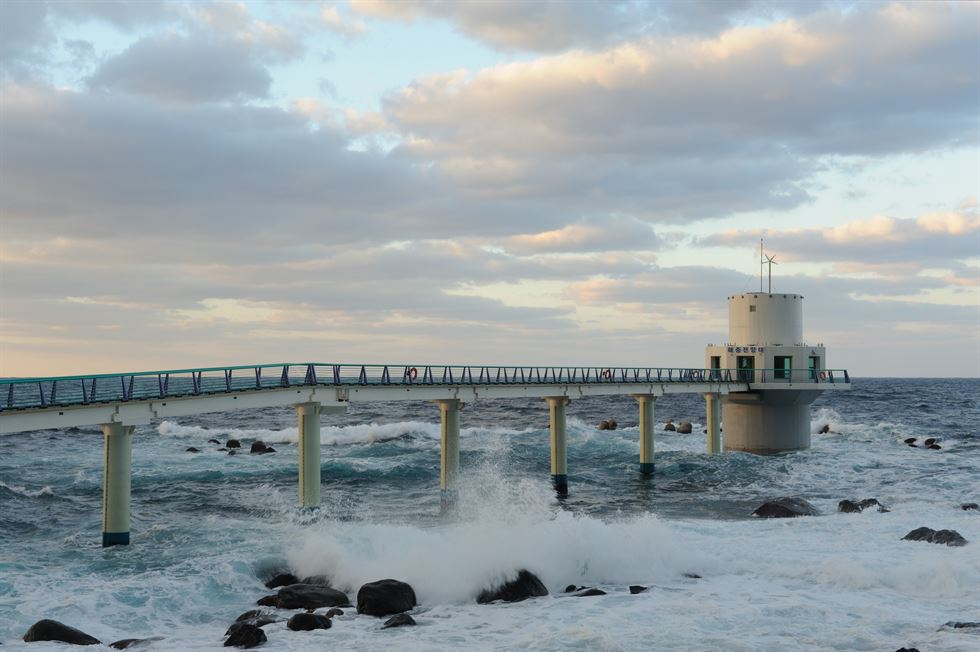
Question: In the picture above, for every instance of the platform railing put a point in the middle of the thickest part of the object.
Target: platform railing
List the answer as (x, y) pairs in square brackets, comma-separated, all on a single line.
[(33, 393)]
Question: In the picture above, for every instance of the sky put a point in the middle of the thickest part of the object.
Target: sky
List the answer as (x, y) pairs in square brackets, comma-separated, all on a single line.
[(422, 181)]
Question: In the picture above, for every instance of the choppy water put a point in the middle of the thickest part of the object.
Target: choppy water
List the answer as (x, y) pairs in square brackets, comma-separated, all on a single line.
[(206, 526)]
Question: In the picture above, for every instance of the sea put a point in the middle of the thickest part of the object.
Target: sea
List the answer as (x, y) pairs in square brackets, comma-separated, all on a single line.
[(209, 528)]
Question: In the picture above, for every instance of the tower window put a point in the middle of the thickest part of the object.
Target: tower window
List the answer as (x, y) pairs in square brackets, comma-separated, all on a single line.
[(751, 308)]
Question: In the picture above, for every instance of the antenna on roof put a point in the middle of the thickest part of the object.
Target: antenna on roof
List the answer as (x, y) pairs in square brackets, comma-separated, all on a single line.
[(763, 261), (770, 260)]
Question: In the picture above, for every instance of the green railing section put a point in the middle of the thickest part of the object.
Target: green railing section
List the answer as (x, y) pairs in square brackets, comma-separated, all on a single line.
[(57, 391)]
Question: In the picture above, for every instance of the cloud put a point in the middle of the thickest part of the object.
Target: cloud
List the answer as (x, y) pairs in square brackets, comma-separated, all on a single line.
[(693, 127), (340, 24), (612, 234)]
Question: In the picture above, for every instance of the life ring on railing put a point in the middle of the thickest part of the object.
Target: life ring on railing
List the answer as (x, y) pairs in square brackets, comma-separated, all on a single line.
[(607, 374), (413, 373), (823, 375)]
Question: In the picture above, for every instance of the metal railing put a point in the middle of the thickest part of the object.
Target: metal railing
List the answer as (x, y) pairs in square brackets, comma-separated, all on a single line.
[(30, 393)]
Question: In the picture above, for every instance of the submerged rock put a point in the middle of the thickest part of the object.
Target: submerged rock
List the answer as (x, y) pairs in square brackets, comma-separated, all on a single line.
[(824, 430), (282, 579), (214, 441), (127, 643), (233, 443), (785, 508), (685, 428), (310, 596), (636, 588), (570, 588), (52, 630), (851, 506), (191, 449), (692, 576), (308, 622), (334, 612), (669, 426), (948, 537), (934, 447), (929, 442), (952, 624), (525, 585), (968, 506), (398, 620), (259, 448), (246, 636), (911, 440), (588, 592), (385, 597)]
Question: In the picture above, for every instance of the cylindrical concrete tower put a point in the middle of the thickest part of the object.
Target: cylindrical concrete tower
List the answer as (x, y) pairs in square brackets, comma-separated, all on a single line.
[(766, 350)]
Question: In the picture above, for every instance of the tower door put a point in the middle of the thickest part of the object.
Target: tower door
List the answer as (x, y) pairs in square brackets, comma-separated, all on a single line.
[(746, 368)]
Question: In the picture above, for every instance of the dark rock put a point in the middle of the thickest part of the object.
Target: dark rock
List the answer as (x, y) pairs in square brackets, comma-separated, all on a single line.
[(52, 630), (612, 424), (968, 506), (261, 620), (133, 642), (948, 537), (669, 426), (233, 443), (934, 447), (246, 636), (251, 614), (232, 452), (785, 508), (525, 585), (585, 593), (385, 597), (692, 576), (270, 449), (308, 622), (636, 588), (258, 448), (952, 624), (685, 428), (848, 507), (267, 600), (913, 446), (222, 449), (192, 450), (310, 596), (282, 579), (570, 588), (868, 502), (334, 612), (929, 442), (907, 649), (398, 620), (824, 430), (603, 426), (214, 441), (911, 440)]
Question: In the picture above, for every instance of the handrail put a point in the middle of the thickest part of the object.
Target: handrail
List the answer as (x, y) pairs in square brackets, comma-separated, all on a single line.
[(28, 393)]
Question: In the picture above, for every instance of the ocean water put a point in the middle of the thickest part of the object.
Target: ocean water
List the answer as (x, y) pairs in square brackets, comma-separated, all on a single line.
[(207, 529)]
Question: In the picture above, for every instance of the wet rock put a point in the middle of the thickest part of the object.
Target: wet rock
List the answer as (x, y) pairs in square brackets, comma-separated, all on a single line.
[(947, 537), (310, 596), (126, 643), (934, 447), (603, 426), (260, 622), (222, 449), (385, 597), (692, 576), (52, 630), (334, 612), (214, 441), (233, 443), (952, 624), (785, 508), (192, 450), (669, 426), (282, 579), (267, 600), (525, 585), (907, 649), (308, 622), (612, 424), (251, 614), (570, 588), (399, 620), (232, 452), (685, 428), (636, 588), (929, 442), (968, 506), (824, 430), (588, 592), (259, 448), (246, 636), (851, 506), (911, 440)]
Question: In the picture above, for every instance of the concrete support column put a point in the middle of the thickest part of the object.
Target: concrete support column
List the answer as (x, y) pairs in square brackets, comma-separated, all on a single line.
[(713, 410), (449, 458), (116, 484), (309, 454), (646, 402), (559, 448)]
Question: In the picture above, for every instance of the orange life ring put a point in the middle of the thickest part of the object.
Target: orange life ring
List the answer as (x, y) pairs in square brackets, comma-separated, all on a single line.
[(823, 375), (413, 373)]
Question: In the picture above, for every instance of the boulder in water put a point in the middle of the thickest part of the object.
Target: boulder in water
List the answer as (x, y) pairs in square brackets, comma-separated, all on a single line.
[(310, 596), (685, 428), (570, 588), (825, 429), (851, 506), (334, 612), (948, 537), (934, 447), (233, 443), (612, 424), (191, 449), (259, 448), (929, 442), (669, 426), (398, 620), (214, 441), (52, 630), (385, 597), (692, 576), (636, 588), (282, 579), (525, 585), (588, 592), (127, 643), (305, 622), (968, 506), (911, 440), (246, 636), (952, 624), (267, 600), (785, 508), (603, 426)]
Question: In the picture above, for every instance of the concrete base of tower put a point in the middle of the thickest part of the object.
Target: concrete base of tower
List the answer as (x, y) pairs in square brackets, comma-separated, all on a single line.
[(768, 422)]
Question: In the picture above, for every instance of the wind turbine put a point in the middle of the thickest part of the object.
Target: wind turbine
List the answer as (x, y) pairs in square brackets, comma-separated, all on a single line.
[(770, 260)]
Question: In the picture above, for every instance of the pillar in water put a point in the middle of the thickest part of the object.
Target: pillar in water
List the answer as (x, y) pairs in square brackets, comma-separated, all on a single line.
[(646, 402), (116, 484), (559, 451), (449, 452), (309, 454)]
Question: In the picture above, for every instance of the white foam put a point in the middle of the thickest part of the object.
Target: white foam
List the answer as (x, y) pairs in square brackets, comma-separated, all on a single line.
[(28, 493)]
